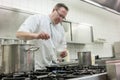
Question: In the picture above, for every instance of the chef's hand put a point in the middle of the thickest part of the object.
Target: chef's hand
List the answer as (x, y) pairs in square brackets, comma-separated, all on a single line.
[(43, 35), (60, 60), (63, 54)]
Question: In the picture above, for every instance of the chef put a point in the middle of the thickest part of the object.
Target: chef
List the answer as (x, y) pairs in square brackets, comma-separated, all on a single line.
[(46, 32)]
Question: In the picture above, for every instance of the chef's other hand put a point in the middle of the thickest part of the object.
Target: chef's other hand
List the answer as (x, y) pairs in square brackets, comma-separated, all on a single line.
[(59, 60), (43, 35), (63, 54)]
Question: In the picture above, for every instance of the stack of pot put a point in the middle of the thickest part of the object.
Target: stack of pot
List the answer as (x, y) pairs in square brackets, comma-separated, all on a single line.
[(17, 58)]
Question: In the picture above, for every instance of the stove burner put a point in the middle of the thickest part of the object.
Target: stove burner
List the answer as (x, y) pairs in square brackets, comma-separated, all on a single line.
[(55, 73)]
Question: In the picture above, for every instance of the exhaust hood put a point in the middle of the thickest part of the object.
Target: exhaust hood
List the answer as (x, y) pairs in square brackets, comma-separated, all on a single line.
[(110, 5)]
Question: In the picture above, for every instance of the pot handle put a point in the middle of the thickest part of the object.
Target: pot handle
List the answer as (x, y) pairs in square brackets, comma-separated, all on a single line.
[(32, 49)]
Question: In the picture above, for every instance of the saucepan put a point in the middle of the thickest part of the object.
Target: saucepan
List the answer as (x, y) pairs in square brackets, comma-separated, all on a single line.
[(17, 58), (84, 58)]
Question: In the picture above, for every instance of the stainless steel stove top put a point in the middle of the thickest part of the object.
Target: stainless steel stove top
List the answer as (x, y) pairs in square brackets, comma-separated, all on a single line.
[(58, 73)]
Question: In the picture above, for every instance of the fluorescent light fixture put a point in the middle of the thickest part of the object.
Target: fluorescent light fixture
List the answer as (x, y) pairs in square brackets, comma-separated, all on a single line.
[(91, 2)]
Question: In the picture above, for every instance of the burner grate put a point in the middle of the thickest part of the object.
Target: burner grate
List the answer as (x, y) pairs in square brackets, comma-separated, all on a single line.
[(56, 73)]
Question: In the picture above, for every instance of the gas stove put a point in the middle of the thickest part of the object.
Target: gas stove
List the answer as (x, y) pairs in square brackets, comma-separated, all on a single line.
[(55, 73)]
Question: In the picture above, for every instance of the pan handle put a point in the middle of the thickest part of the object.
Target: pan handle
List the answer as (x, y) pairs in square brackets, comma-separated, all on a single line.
[(32, 49)]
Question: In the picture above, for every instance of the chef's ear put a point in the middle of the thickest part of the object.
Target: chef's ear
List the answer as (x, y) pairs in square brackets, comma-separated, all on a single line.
[(53, 10)]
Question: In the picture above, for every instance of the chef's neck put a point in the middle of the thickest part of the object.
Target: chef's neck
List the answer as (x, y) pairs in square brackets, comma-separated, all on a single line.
[(52, 19)]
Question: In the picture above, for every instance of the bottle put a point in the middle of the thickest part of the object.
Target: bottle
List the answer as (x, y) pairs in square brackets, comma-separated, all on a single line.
[(93, 59), (67, 58)]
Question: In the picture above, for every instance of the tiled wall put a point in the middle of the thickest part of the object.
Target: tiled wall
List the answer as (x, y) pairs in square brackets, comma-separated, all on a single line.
[(103, 50)]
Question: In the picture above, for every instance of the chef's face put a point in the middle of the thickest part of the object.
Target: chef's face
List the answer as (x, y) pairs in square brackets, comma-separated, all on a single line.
[(59, 15)]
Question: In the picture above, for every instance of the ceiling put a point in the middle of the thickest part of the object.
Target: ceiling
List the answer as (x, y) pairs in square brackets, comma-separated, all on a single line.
[(112, 6), (93, 8)]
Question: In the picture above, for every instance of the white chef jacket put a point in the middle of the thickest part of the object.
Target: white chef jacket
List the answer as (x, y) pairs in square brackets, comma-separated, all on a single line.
[(48, 49)]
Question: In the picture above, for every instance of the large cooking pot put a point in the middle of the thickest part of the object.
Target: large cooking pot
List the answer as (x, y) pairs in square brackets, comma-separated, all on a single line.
[(84, 58), (17, 58)]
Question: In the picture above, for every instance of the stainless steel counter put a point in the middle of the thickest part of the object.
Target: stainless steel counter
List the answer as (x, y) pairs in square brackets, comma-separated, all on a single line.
[(101, 76)]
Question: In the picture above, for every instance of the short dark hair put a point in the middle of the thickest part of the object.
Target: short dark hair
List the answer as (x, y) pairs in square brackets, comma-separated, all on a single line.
[(59, 5)]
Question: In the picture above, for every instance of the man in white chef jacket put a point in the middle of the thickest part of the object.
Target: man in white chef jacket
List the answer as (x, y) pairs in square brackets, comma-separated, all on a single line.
[(46, 32)]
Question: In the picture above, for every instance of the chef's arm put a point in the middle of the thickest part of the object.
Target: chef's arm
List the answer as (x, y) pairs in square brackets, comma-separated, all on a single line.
[(64, 47), (29, 36)]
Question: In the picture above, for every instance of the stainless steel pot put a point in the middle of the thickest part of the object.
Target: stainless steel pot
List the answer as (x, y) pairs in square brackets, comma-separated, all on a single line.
[(84, 58), (17, 58)]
